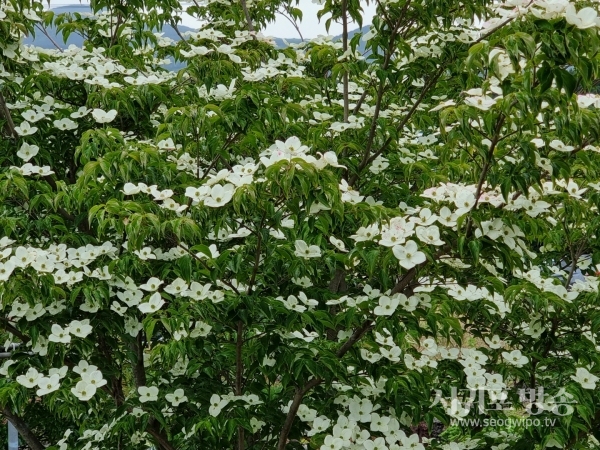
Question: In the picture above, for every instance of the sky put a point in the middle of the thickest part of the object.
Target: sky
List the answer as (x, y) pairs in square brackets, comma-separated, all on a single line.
[(282, 28)]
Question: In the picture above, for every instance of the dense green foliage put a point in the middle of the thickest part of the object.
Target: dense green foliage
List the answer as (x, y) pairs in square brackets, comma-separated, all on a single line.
[(304, 247)]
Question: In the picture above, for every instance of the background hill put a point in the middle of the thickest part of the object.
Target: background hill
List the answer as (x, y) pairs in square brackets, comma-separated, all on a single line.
[(43, 41)]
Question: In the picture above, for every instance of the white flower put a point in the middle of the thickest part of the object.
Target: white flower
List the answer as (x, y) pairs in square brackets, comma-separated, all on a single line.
[(393, 354), (409, 254), (256, 424), (216, 405), (65, 124), (212, 248), (6, 268), (48, 384), (162, 195), (131, 297), (94, 378), (494, 342), (145, 254), (573, 189), (292, 304), (303, 250), (585, 18), (197, 291), (176, 397), (305, 335), (30, 379), (303, 281), (319, 425), (584, 377), (151, 285), (484, 103), (59, 334), (515, 358), (80, 328), (148, 393), (287, 223), (131, 189), (83, 391), (32, 116), (102, 116), (464, 201), (84, 367), (62, 371), (387, 305), (561, 146), (379, 164), (456, 410), (178, 286), (154, 304), (81, 112), (23, 257), (201, 329), (338, 243), (330, 442), (25, 129), (41, 346), (219, 195), (19, 309), (429, 235), (26, 152), (118, 308), (366, 233)]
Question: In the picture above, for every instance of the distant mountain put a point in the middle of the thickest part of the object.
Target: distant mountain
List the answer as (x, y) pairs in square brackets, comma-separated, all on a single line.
[(41, 40), (361, 47)]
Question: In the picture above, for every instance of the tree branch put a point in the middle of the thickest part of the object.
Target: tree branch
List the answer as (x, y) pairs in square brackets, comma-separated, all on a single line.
[(345, 49), (9, 126), (486, 167), (296, 402), (32, 441), (238, 377), (292, 21), (356, 336), (248, 18), (14, 331), (158, 435), (139, 371), (45, 32)]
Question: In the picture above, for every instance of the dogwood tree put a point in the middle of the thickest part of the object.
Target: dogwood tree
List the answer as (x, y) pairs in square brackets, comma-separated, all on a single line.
[(310, 247)]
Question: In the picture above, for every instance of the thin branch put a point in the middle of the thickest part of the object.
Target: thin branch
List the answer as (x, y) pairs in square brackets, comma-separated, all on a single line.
[(345, 49), (404, 281), (296, 402), (486, 167), (14, 331), (114, 34), (430, 84), (256, 254), (363, 97), (358, 333), (31, 439), (176, 28), (238, 376), (9, 127), (45, 31), (292, 21), (248, 18), (158, 435)]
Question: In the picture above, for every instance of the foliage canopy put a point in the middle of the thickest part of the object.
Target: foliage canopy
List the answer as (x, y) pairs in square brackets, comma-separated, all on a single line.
[(304, 247)]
